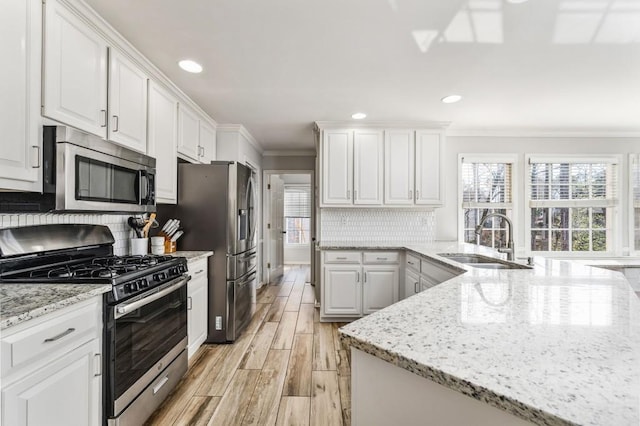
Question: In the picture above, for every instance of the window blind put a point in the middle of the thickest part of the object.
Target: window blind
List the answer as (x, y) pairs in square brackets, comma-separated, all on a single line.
[(592, 183), (634, 165), (297, 201), (487, 183)]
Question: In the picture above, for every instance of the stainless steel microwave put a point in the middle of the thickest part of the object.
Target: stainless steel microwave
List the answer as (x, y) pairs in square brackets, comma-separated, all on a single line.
[(87, 173)]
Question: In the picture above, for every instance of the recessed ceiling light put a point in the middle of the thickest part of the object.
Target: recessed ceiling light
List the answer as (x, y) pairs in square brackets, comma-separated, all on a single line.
[(190, 66), (451, 99), (358, 115)]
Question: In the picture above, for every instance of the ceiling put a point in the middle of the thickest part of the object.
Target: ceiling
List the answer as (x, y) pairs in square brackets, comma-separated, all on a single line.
[(277, 66)]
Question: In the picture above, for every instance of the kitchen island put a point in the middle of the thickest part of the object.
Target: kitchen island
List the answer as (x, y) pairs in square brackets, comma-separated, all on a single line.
[(556, 344)]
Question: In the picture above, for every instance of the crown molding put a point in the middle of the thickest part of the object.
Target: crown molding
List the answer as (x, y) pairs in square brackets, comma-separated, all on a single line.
[(320, 125), (290, 153)]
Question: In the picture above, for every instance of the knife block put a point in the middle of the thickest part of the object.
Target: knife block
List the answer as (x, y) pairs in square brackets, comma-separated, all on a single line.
[(169, 246)]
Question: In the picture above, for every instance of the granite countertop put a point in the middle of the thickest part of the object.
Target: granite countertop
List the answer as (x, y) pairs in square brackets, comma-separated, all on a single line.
[(556, 344), (22, 302), (192, 255)]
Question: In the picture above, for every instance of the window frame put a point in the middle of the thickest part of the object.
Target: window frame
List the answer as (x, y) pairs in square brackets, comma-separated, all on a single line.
[(615, 229), (634, 161), (510, 158), (297, 187)]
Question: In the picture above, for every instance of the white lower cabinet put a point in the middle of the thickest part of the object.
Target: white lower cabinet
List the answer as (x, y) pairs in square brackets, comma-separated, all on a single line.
[(421, 273), (197, 305), (52, 368), (411, 283), (358, 283)]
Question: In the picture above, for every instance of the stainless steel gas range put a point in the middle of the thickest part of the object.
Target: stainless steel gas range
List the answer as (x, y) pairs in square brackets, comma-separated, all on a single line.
[(145, 314)]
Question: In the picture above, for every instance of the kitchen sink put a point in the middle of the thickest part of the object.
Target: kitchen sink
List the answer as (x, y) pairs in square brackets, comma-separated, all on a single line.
[(482, 262)]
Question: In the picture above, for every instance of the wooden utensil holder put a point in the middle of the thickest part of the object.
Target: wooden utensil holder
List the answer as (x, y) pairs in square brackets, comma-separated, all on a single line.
[(169, 246)]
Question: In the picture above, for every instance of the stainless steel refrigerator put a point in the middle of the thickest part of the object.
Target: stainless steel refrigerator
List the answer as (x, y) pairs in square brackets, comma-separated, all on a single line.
[(217, 207)]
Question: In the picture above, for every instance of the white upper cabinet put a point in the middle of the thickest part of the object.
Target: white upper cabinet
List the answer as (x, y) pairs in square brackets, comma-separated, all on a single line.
[(162, 141), (127, 103), (367, 167), (188, 133), (207, 142), (20, 156), (429, 188), (337, 167), (399, 157), (75, 71), (391, 167)]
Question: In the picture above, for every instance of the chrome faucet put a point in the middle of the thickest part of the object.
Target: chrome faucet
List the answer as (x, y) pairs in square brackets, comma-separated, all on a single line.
[(509, 248)]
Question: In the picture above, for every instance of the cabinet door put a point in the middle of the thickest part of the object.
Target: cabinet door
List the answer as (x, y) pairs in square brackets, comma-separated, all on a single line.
[(163, 141), (427, 282), (64, 392), (21, 24), (127, 103), (75, 71), (399, 167), (380, 287), (368, 146), (197, 313), (188, 133), (411, 283), (428, 158), (342, 294), (207, 142), (337, 167)]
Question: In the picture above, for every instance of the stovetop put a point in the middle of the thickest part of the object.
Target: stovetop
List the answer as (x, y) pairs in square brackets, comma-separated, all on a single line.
[(129, 275)]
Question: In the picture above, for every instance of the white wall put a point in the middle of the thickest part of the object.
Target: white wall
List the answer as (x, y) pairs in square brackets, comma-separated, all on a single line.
[(447, 216)]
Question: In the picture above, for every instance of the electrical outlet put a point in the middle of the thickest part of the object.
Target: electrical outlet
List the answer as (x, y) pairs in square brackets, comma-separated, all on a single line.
[(218, 323)]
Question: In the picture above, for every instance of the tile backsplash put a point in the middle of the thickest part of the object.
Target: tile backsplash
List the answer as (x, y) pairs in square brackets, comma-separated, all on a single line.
[(117, 223), (379, 225)]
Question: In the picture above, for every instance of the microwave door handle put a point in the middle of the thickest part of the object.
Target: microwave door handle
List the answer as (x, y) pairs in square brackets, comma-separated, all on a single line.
[(145, 183)]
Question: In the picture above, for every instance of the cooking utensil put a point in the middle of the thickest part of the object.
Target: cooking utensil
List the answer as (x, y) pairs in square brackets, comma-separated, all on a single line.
[(145, 230), (133, 223), (177, 235)]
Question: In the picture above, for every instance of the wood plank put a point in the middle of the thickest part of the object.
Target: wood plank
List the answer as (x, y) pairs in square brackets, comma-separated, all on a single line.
[(316, 315), (301, 276), (276, 309), (293, 304), (263, 408), (234, 403), (286, 328), (269, 294), (257, 352), (294, 411), (298, 380), (324, 357), (257, 319), (342, 363), (325, 399), (198, 411), (305, 319), (220, 373), (308, 294), (175, 404), (344, 385), (285, 289)]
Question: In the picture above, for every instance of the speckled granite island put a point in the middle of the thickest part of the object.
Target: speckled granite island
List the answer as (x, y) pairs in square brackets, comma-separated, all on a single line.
[(555, 345)]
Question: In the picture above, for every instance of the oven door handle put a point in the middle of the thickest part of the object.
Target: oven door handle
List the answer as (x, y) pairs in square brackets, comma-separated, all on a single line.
[(125, 308)]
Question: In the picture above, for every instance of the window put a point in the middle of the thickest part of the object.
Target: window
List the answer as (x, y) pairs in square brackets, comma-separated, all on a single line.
[(487, 187), (634, 184), (297, 213), (572, 204)]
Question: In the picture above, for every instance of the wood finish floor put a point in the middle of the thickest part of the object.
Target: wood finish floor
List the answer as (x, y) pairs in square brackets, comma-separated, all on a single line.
[(287, 368)]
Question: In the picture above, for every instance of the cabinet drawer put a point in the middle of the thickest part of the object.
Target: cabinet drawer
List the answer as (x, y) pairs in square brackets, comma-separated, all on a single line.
[(342, 257), (65, 331), (197, 268), (412, 262), (380, 257)]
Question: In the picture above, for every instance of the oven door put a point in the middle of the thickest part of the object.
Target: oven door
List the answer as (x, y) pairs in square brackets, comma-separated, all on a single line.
[(143, 335), (91, 180)]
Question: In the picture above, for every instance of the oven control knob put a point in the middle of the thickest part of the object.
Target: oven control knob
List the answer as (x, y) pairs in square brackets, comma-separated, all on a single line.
[(127, 288), (134, 286), (144, 283), (156, 277)]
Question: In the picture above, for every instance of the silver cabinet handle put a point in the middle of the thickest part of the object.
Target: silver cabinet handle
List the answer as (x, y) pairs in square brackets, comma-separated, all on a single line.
[(410, 263), (341, 258), (104, 118), (199, 272), (415, 287), (358, 277), (115, 123), (381, 258), (37, 155), (60, 336), (189, 303), (97, 363)]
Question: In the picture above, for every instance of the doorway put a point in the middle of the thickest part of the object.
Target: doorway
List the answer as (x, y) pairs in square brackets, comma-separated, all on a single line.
[(289, 226)]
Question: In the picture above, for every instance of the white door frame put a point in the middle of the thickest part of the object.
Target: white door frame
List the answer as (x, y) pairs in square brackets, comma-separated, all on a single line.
[(266, 174)]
